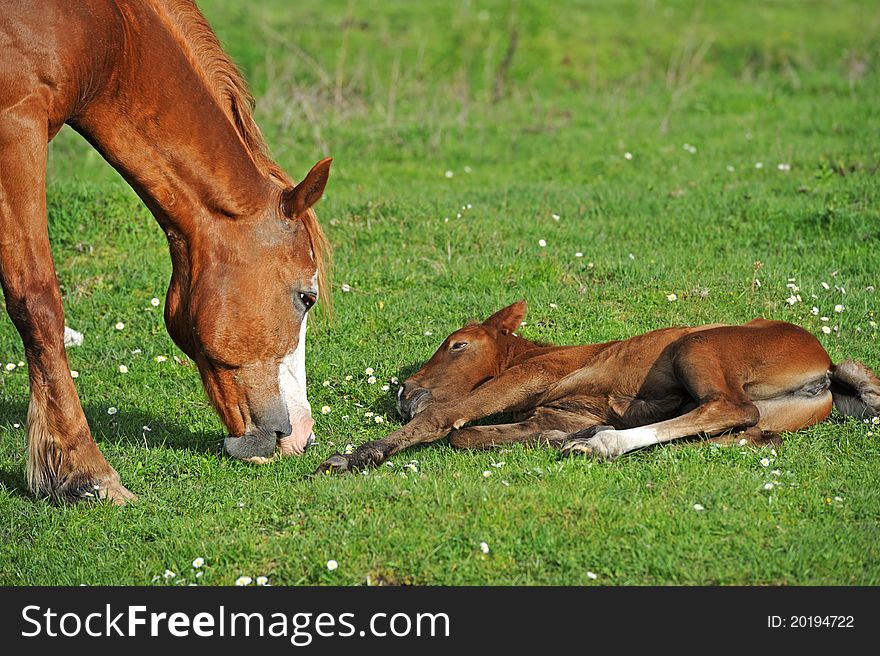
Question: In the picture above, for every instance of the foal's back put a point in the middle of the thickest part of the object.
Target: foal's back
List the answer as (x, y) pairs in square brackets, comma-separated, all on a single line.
[(660, 374)]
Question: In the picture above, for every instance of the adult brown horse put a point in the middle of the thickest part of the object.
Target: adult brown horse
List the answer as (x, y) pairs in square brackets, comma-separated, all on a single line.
[(603, 400), (148, 85)]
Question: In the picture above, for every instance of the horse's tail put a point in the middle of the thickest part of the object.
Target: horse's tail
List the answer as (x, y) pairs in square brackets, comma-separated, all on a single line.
[(856, 389)]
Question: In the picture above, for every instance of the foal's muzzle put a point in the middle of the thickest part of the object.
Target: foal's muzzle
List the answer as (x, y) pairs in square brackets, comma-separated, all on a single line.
[(411, 402)]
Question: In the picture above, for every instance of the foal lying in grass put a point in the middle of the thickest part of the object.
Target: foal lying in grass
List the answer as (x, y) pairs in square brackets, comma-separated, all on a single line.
[(728, 382)]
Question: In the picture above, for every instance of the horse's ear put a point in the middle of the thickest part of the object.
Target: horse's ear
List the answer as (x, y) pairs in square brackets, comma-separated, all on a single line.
[(508, 319), (308, 192)]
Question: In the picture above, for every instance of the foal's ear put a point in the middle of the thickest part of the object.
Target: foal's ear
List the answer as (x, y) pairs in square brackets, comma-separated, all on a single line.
[(508, 319), (308, 192)]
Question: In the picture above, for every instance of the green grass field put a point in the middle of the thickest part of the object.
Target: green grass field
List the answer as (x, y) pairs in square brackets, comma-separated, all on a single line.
[(720, 152)]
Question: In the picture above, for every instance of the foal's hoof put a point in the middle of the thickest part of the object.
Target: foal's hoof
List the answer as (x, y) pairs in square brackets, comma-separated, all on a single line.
[(335, 464), (603, 445)]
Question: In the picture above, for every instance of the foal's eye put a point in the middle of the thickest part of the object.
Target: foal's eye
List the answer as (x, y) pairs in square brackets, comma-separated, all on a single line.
[(458, 346), (308, 299)]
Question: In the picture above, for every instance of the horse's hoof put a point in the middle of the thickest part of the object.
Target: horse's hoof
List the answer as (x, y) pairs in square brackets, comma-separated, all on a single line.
[(108, 490), (116, 493), (335, 464)]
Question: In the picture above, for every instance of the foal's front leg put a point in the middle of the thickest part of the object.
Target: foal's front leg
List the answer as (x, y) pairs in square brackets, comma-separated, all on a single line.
[(546, 426), (64, 462), (516, 388)]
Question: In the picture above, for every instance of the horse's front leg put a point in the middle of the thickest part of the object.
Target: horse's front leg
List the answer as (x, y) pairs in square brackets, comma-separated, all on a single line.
[(63, 461)]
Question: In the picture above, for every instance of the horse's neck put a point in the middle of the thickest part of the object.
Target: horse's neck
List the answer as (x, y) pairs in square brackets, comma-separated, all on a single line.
[(157, 123)]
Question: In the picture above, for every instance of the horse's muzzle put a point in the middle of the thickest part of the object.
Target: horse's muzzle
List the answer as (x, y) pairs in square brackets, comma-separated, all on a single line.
[(409, 405), (259, 444)]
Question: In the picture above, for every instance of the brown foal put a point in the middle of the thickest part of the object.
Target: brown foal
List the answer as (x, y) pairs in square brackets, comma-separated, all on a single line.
[(751, 382), (147, 84)]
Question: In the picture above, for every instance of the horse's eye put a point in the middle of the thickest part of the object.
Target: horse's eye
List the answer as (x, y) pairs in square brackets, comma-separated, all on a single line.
[(458, 346), (308, 299)]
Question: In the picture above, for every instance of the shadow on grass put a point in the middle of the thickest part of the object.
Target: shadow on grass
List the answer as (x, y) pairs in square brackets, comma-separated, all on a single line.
[(125, 428), (130, 427), (387, 404), (14, 483)]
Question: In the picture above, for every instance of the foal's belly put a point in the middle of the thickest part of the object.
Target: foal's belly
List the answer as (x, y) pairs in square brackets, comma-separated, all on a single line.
[(629, 412)]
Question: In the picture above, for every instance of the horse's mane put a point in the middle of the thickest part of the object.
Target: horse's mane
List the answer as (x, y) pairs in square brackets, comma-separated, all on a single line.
[(226, 84)]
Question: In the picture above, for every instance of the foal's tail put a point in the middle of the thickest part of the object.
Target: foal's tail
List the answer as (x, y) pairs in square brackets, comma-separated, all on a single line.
[(856, 389)]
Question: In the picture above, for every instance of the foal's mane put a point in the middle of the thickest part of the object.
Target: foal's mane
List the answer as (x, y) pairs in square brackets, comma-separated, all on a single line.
[(226, 84)]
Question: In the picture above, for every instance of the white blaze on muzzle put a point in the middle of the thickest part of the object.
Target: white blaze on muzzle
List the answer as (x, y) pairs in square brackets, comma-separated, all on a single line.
[(292, 385)]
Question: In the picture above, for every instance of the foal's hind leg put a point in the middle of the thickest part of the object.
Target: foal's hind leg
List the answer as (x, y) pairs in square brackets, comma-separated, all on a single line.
[(63, 460), (722, 406)]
